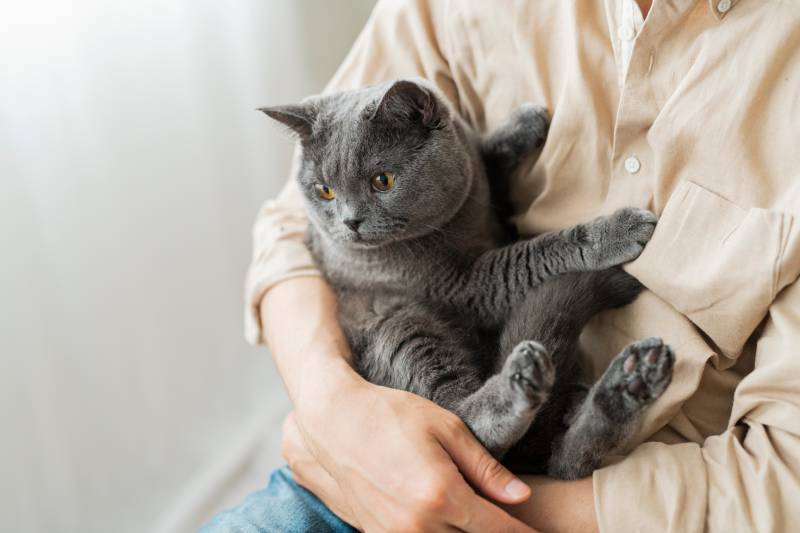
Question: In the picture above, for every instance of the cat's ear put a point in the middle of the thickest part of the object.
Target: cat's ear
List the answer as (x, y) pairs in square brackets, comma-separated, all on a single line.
[(412, 102), (298, 117)]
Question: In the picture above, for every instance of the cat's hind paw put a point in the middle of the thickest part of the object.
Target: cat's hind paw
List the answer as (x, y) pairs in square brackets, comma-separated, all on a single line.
[(638, 376), (530, 374)]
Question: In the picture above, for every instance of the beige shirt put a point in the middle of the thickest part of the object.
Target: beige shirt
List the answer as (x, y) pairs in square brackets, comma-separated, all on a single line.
[(693, 113)]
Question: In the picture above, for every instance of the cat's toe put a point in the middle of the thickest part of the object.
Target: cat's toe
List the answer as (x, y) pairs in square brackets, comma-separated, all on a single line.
[(635, 379), (618, 238), (531, 372), (635, 224), (531, 122), (646, 370)]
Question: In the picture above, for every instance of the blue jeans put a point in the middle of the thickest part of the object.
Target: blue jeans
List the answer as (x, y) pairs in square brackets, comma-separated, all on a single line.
[(282, 507)]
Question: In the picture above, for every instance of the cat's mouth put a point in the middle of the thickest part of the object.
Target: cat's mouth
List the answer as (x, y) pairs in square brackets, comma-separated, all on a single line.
[(361, 240), (364, 240), (376, 239)]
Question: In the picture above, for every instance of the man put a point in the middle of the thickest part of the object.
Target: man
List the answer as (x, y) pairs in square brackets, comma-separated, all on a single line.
[(686, 107)]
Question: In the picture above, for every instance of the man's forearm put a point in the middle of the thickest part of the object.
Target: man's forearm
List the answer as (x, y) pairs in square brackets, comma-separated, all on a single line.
[(302, 331), (558, 506)]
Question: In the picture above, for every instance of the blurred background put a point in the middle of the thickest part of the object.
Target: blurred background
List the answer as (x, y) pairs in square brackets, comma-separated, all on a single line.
[(132, 164)]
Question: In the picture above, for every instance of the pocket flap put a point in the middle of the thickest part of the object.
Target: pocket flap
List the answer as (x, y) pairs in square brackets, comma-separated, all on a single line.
[(716, 262)]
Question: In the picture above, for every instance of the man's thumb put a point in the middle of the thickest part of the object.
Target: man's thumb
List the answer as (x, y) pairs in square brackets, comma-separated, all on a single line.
[(483, 471)]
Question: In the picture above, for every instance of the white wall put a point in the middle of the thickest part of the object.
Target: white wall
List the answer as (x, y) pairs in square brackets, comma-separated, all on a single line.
[(132, 163)]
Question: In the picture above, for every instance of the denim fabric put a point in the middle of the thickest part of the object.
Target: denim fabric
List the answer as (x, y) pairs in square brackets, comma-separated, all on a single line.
[(282, 507)]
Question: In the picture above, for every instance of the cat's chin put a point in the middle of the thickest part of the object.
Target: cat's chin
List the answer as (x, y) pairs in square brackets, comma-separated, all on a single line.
[(378, 241), (364, 242), (354, 240)]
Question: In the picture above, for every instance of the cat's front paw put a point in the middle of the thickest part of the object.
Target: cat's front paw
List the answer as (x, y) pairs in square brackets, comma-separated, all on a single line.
[(529, 124), (618, 238)]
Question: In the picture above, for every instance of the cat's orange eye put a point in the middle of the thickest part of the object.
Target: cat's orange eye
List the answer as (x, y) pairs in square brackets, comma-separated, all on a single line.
[(383, 181), (325, 192)]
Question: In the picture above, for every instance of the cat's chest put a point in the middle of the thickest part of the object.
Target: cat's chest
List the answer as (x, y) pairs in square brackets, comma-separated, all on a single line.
[(409, 267), (392, 269)]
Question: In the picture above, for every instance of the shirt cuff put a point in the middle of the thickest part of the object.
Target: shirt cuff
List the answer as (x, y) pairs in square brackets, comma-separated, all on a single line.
[(290, 260), (279, 253)]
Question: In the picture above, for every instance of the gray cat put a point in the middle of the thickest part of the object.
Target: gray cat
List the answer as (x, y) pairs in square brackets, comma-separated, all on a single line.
[(436, 299)]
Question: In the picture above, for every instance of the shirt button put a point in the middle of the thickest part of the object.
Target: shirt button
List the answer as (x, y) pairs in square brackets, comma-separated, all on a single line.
[(626, 33), (632, 165), (724, 6)]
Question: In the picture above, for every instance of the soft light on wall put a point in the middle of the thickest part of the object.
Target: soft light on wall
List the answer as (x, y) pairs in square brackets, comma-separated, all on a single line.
[(132, 163)]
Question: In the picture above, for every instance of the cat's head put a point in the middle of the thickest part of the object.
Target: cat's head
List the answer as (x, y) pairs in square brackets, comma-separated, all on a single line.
[(380, 164)]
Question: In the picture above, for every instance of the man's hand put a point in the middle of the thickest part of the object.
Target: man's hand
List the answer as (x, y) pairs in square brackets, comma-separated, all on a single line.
[(310, 474), (388, 460), (392, 461)]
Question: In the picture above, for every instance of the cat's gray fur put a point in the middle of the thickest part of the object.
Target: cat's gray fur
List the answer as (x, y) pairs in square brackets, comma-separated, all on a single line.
[(436, 300)]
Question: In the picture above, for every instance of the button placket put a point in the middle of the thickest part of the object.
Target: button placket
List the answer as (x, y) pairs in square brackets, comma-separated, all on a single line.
[(630, 182), (627, 33)]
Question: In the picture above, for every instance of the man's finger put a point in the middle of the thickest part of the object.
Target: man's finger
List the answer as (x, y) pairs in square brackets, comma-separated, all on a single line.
[(309, 474), (481, 469), (291, 440)]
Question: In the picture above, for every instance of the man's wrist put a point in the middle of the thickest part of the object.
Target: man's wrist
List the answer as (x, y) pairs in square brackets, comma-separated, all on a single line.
[(326, 379)]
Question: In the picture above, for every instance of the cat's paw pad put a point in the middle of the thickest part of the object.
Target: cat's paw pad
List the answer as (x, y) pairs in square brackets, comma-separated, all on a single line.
[(621, 236), (645, 370), (530, 372)]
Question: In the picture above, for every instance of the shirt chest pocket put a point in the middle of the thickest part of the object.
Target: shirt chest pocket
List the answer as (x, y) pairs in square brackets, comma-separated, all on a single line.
[(719, 264)]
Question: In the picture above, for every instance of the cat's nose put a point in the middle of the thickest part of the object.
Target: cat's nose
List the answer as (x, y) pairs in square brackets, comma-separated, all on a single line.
[(353, 223)]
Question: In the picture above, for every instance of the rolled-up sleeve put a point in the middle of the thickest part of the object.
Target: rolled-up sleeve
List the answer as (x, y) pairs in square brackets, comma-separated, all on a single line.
[(747, 478), (278, 252), (401, 39)]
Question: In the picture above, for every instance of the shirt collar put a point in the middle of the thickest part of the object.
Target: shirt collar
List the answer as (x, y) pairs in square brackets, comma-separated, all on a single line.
[(720, 8)]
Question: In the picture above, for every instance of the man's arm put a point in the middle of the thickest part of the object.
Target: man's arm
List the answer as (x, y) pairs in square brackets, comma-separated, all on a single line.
[(303, 334), (399, 460), (745, 479)]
